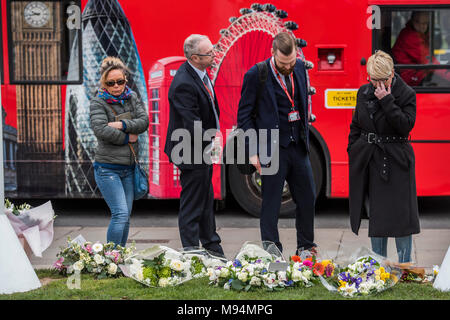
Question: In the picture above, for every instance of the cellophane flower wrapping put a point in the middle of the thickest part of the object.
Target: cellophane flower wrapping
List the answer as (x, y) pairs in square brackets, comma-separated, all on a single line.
[(161, 266), (362, 273), (101, 260), (200, 259), (261, 265), (33, 225)]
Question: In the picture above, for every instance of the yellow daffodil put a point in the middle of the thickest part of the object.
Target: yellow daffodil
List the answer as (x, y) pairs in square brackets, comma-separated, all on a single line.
[(382, 270), (342, 284)]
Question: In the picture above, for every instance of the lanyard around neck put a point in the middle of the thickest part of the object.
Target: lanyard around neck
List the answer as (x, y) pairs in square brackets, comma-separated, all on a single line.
[(291, 99)]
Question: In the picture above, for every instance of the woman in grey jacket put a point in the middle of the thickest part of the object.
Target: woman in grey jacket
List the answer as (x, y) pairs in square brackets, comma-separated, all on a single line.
[(117, 117)]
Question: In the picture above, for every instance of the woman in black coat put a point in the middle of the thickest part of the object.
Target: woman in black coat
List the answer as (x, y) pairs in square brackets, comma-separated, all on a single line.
[(381, 159)]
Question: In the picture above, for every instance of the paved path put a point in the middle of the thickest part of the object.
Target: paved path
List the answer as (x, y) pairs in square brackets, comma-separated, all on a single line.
[(429, 247)]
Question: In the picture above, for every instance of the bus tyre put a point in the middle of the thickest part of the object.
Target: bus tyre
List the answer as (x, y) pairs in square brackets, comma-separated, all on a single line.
[(246, 189)]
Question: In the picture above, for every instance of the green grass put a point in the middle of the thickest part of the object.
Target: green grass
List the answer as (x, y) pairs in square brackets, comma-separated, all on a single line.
[(125, 288)]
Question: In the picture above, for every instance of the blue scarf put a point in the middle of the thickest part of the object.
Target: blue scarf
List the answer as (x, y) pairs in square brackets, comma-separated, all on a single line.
[(109, 98)]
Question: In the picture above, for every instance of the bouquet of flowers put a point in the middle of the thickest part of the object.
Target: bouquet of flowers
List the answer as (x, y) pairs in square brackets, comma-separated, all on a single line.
[(99, 259), (368, 274), (199, 260), (16, 210), (309, 270), (160, 266), (259, 265), (33, 226)]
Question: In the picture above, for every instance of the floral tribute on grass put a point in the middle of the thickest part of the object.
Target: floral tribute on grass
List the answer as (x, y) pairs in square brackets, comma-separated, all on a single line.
[(263, 266), (99, 259), (368, 274), (160, 266)]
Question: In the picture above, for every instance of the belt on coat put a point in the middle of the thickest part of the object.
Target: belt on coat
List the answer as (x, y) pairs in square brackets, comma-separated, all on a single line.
[(371, 137), (380, 140)]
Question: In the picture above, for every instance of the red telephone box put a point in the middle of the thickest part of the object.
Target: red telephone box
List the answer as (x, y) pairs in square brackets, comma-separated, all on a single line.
[(164, 176)]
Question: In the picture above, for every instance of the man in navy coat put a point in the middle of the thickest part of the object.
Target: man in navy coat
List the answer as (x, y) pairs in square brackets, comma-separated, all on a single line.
[(194, 111), (282, 104)]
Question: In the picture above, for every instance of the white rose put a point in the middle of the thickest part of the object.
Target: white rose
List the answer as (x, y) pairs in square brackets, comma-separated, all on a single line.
[(296, 275), (97, 247), (112, 268), (307, 274), (78, 266), (99, 259), (282, 276), (212, 274), (163, 282), (243, 276), (224, 273), (255, 281), (176, 265)]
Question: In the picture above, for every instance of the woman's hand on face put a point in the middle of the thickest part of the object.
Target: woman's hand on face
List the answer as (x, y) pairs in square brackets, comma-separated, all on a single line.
[(116, 125), (132, 137), (380, 91)]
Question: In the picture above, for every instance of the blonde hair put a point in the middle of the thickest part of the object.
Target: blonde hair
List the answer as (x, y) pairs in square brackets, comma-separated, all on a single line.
[(111, 63), (380, 65)]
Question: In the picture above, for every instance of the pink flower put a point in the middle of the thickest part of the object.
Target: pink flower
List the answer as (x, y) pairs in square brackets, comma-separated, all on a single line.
[(88, 248), (59, 264), (115, 255), (307, 263)]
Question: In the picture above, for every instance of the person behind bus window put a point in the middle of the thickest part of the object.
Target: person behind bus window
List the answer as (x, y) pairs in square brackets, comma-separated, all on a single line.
[(412, 47), (381, 159), (116, 137)]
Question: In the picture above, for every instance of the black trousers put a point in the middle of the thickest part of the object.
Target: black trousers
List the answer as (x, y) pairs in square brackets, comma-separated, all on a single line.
[(295, 169), (196, 219)]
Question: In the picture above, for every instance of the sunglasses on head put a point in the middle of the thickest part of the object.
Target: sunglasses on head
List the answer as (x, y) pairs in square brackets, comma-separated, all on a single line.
[(112, 83)]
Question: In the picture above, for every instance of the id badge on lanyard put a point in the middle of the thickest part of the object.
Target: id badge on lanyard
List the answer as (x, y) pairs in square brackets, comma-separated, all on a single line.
[(294, 115)]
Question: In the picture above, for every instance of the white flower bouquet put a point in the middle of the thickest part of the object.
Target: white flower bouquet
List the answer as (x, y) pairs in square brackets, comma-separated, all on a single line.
[(161, 266), (33, 226), (99, 259), (257, 265)]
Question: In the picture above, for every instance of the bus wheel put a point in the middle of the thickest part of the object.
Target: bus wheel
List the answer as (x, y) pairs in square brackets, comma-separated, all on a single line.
[(246, 189)]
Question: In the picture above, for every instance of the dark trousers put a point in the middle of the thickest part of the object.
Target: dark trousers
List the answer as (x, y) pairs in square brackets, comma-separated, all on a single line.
[(295, 168), (196, 219)]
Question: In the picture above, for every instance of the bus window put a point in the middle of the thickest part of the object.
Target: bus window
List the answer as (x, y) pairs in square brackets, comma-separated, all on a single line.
[(419, 41), (45, 42)]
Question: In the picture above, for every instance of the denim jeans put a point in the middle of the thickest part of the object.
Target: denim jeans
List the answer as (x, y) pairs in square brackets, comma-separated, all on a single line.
[(403, 244), (117, 188)]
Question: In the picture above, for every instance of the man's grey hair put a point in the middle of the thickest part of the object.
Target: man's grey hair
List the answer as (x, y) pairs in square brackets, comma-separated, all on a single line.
[(191, 44)]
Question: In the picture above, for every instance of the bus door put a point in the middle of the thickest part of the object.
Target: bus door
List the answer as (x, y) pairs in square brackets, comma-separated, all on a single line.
[(418, 39)]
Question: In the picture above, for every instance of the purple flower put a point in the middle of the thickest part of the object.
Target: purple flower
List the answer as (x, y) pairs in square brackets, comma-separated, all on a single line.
[(329, 270), (237, 264), (372, 262), (258, 261), (344, 277), (357, 282)]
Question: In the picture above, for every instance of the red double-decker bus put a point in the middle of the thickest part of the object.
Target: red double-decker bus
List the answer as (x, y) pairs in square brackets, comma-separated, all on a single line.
[(51, 53)]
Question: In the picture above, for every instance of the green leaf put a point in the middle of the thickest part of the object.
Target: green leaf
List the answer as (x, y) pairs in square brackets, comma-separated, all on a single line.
[(237, 284)]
